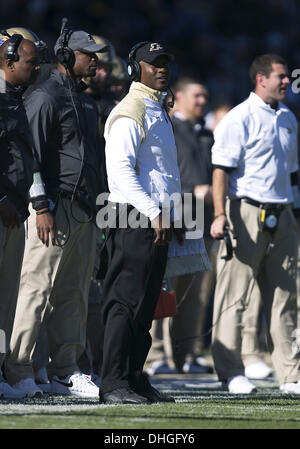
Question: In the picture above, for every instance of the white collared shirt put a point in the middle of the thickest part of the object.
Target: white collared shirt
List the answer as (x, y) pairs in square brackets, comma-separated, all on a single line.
[(261, 144), (141, 168)]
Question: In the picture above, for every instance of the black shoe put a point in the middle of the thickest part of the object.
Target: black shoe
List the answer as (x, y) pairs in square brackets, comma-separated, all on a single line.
[(143, 387), (122, 396)]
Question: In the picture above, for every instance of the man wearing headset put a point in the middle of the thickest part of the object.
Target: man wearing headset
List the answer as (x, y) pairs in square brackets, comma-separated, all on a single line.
[(141, 159), (31, 36), (46, 64), (55, 278), (19, 65)]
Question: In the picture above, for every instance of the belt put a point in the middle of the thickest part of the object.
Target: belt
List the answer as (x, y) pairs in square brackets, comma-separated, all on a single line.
[(66, 194), (279, 206), (82, 201)]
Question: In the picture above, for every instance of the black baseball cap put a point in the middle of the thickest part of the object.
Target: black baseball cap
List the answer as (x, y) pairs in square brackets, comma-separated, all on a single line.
[(150, 51), (82, 41)]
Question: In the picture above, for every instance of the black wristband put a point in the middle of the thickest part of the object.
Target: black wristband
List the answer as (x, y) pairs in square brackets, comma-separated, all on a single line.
[(39, 203)]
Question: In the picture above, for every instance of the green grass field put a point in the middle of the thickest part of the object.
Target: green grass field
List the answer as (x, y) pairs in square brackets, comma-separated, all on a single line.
[(200, 404)]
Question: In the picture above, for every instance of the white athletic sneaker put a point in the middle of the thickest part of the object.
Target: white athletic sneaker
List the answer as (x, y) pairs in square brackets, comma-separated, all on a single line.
[(8, 392), (290, 388), (239, 385), (258, 370), (29, 388), (77, 384)]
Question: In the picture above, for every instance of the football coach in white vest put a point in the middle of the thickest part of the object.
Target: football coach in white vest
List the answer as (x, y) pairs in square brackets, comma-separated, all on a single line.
[(141, 160)]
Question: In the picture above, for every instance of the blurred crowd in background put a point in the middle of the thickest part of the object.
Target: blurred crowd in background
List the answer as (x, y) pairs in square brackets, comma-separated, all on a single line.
[(212, 40)]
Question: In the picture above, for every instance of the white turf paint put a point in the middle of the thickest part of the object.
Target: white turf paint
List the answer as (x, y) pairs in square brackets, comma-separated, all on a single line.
[(27, 408)]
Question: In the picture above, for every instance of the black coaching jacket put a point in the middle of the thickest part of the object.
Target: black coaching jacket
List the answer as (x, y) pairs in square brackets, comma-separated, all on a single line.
[(64, 124), (16, 149)]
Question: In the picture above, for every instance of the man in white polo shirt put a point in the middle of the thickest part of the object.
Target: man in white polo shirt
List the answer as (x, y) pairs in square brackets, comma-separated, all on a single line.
[(255, 164)]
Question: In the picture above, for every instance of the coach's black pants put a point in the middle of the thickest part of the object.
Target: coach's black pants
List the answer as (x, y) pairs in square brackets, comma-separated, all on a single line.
[(132, 285)]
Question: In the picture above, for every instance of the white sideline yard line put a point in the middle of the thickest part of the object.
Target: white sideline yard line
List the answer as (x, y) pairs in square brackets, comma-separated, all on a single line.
[(33, 409), (214, 385)]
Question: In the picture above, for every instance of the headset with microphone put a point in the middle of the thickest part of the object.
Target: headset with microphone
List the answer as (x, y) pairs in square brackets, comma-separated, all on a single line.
[(65, 54), (134, 68), (12, 49), (172, 101)]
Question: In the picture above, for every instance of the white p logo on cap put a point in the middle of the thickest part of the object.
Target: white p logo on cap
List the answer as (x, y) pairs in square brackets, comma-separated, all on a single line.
[(155, 46)]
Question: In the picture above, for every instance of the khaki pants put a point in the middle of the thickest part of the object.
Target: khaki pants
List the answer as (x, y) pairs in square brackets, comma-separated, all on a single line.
[(251, 348), (54, 279), (11, 256), (161, 347), (274, 269)]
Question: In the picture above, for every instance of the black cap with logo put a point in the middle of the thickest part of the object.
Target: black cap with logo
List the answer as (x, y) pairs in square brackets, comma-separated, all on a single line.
[(150, 51)]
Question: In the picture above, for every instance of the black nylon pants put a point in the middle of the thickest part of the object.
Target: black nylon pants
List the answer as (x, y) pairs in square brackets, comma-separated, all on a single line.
[(131, 289)]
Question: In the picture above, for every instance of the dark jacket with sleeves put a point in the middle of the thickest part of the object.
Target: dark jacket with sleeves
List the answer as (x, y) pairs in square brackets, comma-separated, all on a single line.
[(194, 153), (16, 149), (194, 143), (64, 125)]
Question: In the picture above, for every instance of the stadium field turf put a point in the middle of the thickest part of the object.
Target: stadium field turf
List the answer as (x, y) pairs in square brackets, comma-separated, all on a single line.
[(200, 404)]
